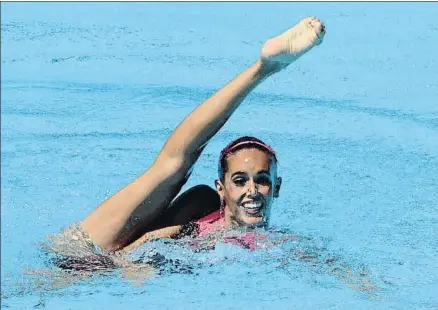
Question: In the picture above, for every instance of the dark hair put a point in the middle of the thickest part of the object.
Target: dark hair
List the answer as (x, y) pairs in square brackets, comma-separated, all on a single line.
[(245, 142)]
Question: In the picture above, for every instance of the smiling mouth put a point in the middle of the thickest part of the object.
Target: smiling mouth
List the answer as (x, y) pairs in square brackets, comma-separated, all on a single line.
[(252, 208)]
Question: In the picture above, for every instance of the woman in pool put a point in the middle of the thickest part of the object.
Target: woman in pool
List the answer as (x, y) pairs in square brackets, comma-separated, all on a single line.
[(146, 208)]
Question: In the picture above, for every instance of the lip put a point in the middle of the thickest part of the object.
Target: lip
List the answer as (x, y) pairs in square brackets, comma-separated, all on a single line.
[(252, 211)]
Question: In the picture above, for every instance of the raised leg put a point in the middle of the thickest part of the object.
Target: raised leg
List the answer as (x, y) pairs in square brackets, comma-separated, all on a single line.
[(119, 220)]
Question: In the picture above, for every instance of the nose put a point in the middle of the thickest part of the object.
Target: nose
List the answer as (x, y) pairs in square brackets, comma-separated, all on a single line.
[(252, 188)]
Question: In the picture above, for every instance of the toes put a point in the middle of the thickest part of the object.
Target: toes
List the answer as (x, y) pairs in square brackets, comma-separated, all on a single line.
[(308, 20), (316, 24)]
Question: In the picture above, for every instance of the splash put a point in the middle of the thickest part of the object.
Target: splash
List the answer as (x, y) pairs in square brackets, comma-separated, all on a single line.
[(71, 258)]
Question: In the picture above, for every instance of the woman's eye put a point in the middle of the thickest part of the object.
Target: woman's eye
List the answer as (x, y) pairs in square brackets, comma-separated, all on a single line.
[(264, 180), (239, 182)]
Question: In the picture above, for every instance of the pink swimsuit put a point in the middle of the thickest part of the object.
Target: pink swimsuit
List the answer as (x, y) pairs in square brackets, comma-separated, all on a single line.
[(209, 223), (214, 221)]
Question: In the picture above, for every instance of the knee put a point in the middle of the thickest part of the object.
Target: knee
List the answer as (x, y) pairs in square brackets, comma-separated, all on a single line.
[(203, 194), (195, 203)]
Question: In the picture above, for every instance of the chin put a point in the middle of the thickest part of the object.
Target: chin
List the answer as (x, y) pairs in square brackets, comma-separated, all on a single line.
[(253, 221)]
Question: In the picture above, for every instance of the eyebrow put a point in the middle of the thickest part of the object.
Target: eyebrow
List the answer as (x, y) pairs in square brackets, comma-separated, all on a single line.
[(258, 172)]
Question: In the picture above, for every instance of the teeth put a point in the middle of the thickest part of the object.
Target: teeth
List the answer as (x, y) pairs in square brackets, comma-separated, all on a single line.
[(253, 205)]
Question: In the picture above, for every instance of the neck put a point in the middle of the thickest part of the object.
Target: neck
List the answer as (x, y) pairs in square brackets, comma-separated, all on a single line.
[(230, 219)]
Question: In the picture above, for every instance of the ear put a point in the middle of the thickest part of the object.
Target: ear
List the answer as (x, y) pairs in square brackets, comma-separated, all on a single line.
[(277, 187), (220, 188)]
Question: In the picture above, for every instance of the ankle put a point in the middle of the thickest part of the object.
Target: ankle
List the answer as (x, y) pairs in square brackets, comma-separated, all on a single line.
[(269, 67)]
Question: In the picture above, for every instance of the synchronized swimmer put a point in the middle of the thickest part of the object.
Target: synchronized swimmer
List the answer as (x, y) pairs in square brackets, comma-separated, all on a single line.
[(247, 184)]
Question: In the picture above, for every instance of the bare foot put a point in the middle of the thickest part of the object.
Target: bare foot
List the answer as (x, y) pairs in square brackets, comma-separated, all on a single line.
[(287, 47)]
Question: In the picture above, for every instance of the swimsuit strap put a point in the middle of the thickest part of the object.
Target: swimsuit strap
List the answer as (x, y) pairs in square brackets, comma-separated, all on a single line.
[(208, 223)]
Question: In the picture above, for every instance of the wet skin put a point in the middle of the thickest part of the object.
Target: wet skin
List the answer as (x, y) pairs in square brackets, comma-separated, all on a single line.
[(249, 187)]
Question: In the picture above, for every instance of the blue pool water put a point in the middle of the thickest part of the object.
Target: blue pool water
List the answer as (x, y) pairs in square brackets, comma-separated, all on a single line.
[(90, 91)]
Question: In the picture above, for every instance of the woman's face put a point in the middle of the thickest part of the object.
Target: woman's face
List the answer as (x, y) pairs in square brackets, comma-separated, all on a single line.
[(249, 187)]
